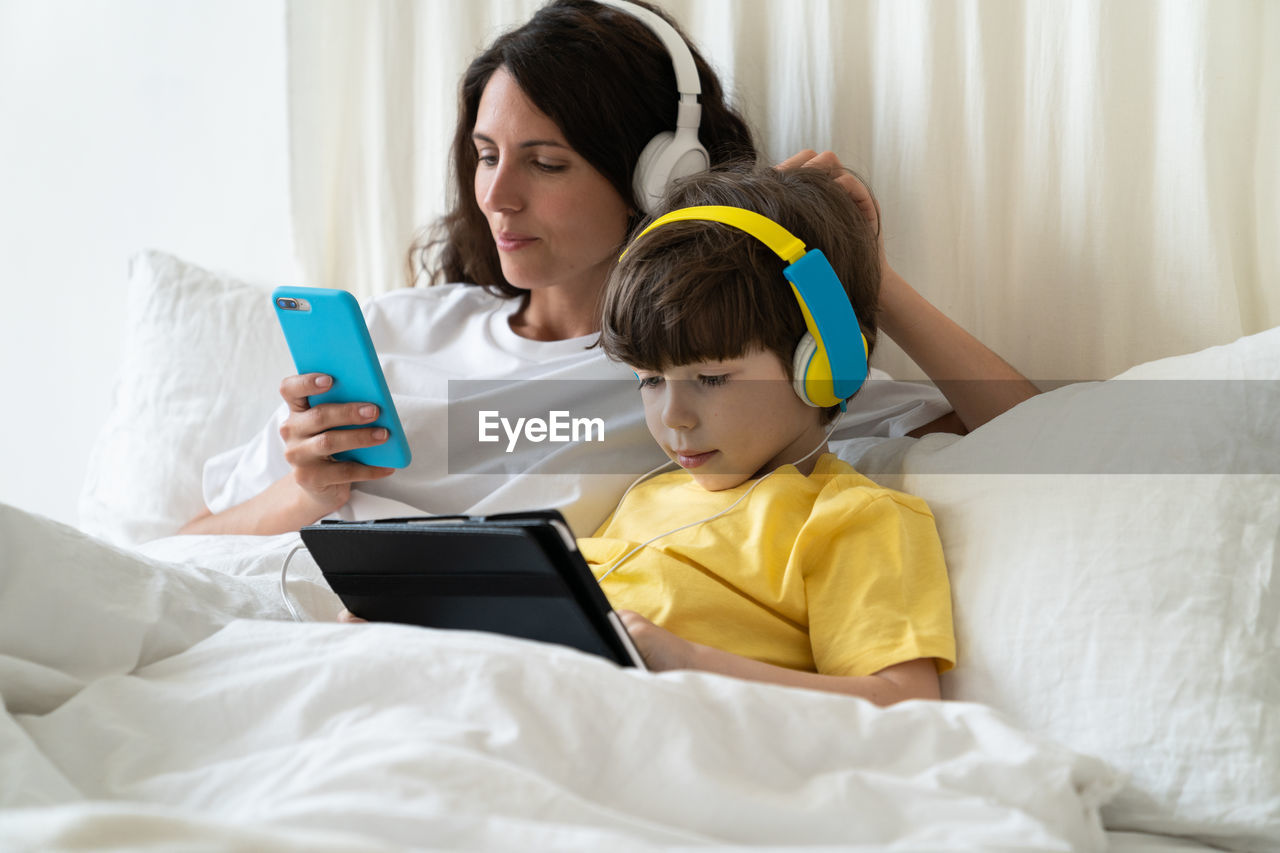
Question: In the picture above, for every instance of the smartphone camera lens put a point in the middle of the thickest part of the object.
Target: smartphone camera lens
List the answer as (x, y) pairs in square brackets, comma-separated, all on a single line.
[(288, 304)]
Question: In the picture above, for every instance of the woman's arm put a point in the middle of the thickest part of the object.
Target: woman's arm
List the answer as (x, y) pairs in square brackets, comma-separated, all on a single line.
[(663, 650), (281, 507), (317, 485), (977, 382)]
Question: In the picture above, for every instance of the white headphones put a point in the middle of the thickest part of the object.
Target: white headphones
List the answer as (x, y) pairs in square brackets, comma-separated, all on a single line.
[(669, 155)]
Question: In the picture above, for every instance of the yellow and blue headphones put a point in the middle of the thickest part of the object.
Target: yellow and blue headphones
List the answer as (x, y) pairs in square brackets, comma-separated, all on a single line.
[(828, 366)]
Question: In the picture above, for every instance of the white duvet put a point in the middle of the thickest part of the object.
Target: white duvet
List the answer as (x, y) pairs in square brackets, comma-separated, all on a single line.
[(156, 705)]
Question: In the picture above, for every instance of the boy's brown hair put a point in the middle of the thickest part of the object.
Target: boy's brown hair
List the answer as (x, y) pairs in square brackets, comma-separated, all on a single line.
[(704, 291)]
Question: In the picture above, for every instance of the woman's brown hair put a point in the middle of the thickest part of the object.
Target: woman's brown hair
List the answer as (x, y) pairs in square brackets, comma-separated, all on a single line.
[(700, 291), (607, 82)]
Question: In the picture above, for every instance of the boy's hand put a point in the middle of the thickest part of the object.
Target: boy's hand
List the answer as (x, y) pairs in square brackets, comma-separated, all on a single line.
[(661, 649)]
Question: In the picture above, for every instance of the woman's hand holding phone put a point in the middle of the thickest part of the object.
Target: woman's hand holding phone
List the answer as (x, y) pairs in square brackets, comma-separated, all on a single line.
[(317, 484), (342, 426), (327, 445), (311, 438)]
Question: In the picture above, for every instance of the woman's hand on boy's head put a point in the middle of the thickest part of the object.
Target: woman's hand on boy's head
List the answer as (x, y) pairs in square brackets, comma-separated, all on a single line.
[(828, 162), (661, 649)]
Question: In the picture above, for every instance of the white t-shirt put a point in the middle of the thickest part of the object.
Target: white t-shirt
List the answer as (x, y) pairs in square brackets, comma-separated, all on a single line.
[(457, 370)]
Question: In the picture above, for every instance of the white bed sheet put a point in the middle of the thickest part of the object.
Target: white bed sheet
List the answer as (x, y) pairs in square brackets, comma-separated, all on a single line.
[(176, 710), (1142, 842)]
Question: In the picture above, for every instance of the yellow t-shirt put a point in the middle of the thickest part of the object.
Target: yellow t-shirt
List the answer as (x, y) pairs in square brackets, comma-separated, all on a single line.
[(826, 573)]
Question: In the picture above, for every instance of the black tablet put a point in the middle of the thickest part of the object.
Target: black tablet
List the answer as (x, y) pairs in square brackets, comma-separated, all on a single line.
[(518, 574)]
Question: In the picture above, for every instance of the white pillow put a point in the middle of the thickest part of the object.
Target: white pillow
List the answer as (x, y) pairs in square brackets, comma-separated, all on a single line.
[(1134, 616), (202, 362)]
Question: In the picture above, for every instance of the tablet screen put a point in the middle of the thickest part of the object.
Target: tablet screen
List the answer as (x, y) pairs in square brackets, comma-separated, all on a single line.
[(519, 575)]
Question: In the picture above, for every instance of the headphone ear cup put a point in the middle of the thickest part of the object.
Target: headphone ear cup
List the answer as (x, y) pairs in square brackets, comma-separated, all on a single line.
[(668, 156), (644, 174), (805, 351)]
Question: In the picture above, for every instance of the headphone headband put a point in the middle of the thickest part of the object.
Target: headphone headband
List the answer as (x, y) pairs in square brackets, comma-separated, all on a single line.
[(687, 81), (780, 241), (829, 367)]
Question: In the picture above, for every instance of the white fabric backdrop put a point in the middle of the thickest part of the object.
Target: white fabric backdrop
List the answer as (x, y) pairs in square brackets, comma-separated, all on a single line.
[(1084, 185)]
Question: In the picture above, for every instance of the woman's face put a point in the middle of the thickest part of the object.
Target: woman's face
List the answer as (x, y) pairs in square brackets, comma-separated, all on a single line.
[(557, 222)]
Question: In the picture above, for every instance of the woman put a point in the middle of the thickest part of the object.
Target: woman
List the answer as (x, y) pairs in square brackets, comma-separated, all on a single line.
[(552, 121)]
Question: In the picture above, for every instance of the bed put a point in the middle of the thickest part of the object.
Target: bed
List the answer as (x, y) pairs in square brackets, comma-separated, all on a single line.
[(1113, 549)]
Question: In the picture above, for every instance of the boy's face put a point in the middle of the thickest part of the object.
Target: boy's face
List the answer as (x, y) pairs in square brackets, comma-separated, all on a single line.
[(729, 421)]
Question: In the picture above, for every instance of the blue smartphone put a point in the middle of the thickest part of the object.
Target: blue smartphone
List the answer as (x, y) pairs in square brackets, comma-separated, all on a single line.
[(327, 334)]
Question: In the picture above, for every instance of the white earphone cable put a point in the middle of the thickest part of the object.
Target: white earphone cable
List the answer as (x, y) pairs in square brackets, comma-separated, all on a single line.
[(284, 592), (740, 499)]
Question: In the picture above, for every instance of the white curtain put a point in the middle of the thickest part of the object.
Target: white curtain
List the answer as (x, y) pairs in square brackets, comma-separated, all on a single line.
[(1083, 184)]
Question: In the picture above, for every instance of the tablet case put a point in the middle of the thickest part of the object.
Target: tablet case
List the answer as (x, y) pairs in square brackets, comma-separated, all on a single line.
[(518, 574)]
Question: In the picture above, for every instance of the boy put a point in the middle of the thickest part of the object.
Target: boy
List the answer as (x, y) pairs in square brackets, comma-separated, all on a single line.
[(766, 558)]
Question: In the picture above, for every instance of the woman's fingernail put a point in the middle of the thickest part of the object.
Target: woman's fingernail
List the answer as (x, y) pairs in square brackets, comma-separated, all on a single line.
[(324, 381), (380, 433), (368, 411)]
